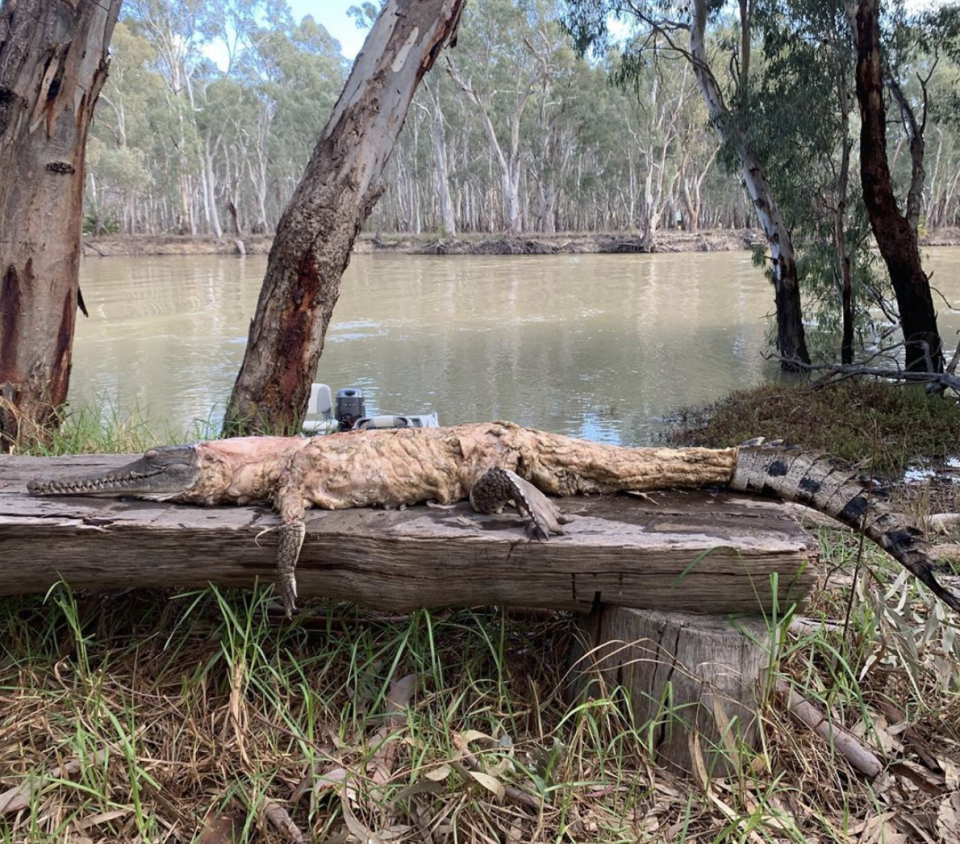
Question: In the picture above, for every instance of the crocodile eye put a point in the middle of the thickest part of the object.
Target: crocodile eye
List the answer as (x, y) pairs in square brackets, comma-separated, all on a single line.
[(153, 454)]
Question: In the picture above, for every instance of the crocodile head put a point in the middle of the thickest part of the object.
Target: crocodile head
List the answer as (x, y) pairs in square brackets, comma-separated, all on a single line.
[(162, 474)]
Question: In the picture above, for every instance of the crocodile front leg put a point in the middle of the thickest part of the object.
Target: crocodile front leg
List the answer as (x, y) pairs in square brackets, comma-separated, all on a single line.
[(497, 487), (292, 506)]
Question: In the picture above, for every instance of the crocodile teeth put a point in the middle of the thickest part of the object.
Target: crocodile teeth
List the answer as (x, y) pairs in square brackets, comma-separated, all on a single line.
[(114, 482)]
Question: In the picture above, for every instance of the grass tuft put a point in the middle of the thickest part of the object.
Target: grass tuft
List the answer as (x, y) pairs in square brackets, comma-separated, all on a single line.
[(881, 427), (151, 717)]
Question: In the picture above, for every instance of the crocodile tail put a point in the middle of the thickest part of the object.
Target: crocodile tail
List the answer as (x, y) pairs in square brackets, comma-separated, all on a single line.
[(816, 481)]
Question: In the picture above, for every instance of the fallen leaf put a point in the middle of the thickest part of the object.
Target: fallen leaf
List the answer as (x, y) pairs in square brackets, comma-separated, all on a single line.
[(438, 774), (398, 698), (948, 819), (357, 828), (220, 828), (474, 735), (417, 788), (102, 817), (951, 773), (492, 784)]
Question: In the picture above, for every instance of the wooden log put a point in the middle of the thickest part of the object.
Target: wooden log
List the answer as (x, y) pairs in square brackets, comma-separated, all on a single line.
[(703, 551), (692, 680)]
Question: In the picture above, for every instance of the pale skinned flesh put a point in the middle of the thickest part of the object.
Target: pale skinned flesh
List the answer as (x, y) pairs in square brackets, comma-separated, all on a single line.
[(490, 464)]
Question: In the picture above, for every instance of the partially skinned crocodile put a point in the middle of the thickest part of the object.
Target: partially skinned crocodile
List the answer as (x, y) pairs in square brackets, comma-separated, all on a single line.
[(492, 464)]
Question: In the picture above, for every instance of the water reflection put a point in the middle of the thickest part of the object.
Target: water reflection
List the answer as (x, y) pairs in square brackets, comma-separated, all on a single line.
[(600, 346)]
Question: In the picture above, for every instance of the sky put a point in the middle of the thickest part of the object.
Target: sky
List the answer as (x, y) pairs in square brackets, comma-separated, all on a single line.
[(333, 15)]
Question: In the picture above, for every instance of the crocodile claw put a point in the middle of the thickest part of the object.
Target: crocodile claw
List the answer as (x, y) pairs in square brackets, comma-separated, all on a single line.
[(288, 551), (498, 487)]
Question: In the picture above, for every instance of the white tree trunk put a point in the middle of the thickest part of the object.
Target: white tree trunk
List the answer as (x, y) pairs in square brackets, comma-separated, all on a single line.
[(317, 231)]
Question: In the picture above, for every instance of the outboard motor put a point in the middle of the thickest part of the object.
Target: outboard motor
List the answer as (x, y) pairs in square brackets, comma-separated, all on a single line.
[(351, 406)]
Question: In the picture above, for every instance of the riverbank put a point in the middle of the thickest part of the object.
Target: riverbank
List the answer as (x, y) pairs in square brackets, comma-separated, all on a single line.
[(880, 427), (716, 240)]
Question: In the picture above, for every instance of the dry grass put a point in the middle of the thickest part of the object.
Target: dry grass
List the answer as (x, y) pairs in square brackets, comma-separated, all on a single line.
[(881, 427), (147, 717), (206, 717)]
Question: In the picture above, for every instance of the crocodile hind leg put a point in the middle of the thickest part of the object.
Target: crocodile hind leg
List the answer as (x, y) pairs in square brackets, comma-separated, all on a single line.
[(497, 487), (292, 506)]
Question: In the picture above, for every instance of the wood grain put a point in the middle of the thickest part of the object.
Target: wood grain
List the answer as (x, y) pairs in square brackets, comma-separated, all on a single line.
[(692, 680), (707, 552)]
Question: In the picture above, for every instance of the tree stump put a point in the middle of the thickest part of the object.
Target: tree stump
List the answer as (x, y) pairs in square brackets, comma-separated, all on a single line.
[(692, 681)]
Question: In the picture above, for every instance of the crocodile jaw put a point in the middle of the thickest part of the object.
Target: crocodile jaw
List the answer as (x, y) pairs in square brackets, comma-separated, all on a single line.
[(162, 474)]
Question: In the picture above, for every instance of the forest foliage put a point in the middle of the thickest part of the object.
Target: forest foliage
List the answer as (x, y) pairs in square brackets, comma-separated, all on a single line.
[(215, 105)]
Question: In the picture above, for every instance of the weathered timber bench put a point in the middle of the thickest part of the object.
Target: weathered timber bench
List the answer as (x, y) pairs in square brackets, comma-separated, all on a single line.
[(633, 566)]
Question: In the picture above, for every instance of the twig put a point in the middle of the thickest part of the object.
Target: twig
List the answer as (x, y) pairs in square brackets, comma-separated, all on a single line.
[(943, 379), (18, 798), (517, 795), (838, 737), (952, 366), (281, 819)]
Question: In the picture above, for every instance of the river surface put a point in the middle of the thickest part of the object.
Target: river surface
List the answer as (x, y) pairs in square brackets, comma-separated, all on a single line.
[(598, 346)]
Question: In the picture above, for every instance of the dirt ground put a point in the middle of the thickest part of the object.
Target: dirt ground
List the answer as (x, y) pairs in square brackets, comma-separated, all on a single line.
[(717, 240)]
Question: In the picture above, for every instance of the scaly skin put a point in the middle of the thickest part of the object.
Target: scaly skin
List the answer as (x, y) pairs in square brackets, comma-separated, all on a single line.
[(817, 481), (489, 463)]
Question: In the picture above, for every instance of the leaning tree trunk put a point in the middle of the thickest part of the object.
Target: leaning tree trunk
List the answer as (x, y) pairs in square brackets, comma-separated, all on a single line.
[(896, 238), (53, 62), (791, 339), (316, 233)]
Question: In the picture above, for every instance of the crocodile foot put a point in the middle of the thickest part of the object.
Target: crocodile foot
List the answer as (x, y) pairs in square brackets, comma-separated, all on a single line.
[(498, 487), (288, 551)]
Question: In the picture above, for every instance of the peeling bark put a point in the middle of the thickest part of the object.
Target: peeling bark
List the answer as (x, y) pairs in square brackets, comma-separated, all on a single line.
[(53, 63), (315, 235)]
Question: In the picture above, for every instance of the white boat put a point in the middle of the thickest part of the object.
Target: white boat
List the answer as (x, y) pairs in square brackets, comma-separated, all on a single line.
[(324, 416)]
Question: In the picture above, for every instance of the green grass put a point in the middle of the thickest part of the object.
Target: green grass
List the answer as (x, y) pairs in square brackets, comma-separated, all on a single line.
[(182, 707), (150, 716), (874, 425), (104, 429)]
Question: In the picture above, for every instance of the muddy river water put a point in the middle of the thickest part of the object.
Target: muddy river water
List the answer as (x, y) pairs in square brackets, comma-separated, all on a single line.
[(600, 346)]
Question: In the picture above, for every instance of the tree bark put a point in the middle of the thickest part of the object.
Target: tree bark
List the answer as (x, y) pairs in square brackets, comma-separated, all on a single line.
[(438, 133), (53, 63), (791, 339), (693, 681), (316, 233), (844, 264), (896, 239)]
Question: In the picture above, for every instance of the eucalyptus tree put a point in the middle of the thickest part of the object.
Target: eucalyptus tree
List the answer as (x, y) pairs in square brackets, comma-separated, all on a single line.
[(53, 62), (553, 132), (441, 157), (804, 90), (943, 200), (317, 231), (680, 30), (505, 53), (178, 31), (895, 231), (119, 173), (655, 123), (291, 79)]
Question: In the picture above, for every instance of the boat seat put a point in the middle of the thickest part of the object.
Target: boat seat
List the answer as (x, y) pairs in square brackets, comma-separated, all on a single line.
[(320, 411)]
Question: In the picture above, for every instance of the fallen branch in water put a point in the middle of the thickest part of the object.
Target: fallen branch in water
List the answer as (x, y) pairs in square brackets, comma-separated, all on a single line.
[(834, 373)]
